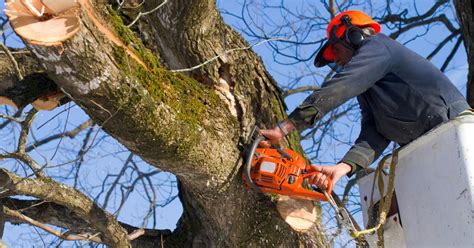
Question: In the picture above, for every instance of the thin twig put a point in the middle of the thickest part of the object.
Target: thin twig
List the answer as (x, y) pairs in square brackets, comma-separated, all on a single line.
[(227, 52), (23, 218), (61, 138), (25, 129), (10, 118), (299, 90), (136, 234), (13, 60), (146, 13), (451, 55), (71, 134)]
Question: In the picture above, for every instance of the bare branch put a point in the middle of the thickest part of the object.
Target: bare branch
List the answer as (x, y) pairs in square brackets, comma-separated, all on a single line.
[(146, 13), (13, 61), (451, 54), (25, 129), (71, 134), (60, 216), (111, 232), (299, 90), (442, 44), (21, 154), (332, 8), (10, 118), (396, 18), (226, 52), (12, 214), (441, 18)]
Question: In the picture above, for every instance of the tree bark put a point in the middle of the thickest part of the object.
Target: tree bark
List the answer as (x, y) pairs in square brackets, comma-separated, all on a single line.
[(465, 11), (193, 125)]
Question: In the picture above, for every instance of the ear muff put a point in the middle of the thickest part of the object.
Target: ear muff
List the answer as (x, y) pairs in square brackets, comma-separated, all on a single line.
[(353, 35)]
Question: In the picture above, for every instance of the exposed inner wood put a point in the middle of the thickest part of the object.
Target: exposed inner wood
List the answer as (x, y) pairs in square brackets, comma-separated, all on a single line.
[(45, 25), (299, 214)]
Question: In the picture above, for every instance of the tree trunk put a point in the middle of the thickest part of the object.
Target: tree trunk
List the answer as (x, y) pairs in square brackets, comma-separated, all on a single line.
[(193, 125), (465, 11)]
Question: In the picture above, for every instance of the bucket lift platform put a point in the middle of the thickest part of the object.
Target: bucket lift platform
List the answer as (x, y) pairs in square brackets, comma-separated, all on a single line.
[(434, 190)]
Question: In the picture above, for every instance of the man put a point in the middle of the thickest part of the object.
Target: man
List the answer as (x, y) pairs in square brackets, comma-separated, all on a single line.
[(401, 94)]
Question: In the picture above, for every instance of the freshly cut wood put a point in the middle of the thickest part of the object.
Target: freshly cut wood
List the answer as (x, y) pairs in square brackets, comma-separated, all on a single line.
[(34, 6), (60, 6), (7, 101), (299, 214), (42, 24), (48, 103)]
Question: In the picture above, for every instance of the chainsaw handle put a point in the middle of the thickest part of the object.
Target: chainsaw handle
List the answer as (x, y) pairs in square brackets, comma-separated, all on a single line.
[(312, 173)]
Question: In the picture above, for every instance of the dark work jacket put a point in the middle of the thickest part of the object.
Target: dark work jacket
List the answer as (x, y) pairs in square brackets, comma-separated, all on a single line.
[(401, 96)]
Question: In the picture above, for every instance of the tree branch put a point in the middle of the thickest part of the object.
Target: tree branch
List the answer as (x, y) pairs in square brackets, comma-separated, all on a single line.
[(12, 60), (11, 214), (71, 134), (451, 54), (112, 233), (60, 216), (147, 13), (442, 44), (299, 90), (395, 18)]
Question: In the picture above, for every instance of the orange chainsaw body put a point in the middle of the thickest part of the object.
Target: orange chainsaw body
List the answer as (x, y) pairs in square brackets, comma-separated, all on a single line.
[(283, 172)]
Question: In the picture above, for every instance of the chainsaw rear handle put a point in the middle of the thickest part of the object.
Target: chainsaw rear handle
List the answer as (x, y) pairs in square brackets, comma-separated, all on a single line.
[(312, 173)]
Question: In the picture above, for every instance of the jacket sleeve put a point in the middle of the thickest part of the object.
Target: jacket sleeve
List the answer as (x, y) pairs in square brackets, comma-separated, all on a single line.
[(368, 65), (368, 146)]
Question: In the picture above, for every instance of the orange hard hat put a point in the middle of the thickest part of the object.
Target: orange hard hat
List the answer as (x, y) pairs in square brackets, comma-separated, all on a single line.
[(357, 18)]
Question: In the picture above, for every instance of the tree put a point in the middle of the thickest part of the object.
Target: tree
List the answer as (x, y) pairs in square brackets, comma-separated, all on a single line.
[(181, 89), (192, 125), (464, 13)]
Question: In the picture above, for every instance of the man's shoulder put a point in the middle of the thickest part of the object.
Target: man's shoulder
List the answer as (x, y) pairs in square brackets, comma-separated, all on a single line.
[(381, 38), (378, 44), (382, 41)]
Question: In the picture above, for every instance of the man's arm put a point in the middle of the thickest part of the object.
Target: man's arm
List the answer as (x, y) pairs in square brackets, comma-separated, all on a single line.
[(368, 146), (368, 65), (366, 149)]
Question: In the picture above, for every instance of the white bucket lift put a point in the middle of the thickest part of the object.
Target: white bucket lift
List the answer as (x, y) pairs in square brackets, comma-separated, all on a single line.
[(434, 188)]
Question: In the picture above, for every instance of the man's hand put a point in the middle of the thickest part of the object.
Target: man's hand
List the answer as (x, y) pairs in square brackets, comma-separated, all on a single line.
[(276, 134), (333, 173)]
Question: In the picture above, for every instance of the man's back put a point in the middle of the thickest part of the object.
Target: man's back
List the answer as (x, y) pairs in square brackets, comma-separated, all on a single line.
[(412, 97)]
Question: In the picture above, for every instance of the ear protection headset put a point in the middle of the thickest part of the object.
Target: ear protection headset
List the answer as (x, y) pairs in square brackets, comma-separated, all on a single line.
[(353, 34)]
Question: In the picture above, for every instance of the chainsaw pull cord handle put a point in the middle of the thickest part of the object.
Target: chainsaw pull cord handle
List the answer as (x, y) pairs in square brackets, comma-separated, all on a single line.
[(248, 164)]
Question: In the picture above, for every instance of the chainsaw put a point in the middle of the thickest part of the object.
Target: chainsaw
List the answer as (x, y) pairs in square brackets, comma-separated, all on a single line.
[(284, 172)]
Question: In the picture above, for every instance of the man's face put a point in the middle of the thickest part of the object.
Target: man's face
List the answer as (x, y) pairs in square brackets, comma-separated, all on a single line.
[(342, 54)]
